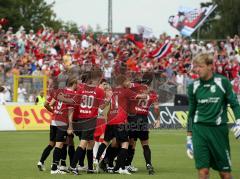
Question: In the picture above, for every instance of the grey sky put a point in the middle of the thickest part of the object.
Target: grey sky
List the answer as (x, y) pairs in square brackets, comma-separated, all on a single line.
[(150, 13)]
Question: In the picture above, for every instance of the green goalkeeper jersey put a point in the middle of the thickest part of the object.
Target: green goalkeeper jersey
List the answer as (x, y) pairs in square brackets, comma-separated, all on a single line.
[(208, 101)]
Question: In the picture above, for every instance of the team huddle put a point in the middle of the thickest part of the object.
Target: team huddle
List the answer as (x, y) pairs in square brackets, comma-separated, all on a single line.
[(108, 120)]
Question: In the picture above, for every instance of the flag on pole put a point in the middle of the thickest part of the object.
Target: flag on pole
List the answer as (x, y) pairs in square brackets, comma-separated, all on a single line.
[(162, 51), (188, 20), (136, 39)]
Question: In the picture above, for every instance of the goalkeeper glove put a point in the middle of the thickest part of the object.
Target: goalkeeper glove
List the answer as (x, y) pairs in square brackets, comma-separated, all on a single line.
[(236, 129), (189, 147)]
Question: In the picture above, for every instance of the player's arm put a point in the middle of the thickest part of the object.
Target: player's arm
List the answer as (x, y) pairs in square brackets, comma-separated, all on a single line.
[(232, 100), (70, 119), (104, 112), (191, 113), (104, 98), (142, 96), (104, 105), (191, 109), (48, 105), (62, 97), (234, 104), (107, 100), (156, 110)]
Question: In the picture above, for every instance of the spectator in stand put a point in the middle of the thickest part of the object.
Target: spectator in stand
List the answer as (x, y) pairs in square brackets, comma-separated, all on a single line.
[(37, 82), (23, 52), (107, 71), (62, 78), (180, 82), (22, 92), (21, 44), (27, 82), (9, 78), (228, 45), (2, 96), (236, 85), (7, 93)]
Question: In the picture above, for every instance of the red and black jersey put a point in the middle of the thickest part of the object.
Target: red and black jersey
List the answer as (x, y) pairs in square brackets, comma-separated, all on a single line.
[(60, 109), (49, 97), (141, 106), (79, 88), (134, 85), (119, 105), (52, 93), (89, 99)]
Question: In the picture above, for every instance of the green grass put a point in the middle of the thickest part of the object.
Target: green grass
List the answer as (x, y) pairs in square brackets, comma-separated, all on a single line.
[(20, 152)]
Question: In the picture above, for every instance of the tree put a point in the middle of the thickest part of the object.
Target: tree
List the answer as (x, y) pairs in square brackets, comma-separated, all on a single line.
[(71, 27), (229, 22), (29, 13)]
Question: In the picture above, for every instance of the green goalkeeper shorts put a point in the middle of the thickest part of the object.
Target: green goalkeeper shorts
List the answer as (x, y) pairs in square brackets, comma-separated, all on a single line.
[(211, 147)]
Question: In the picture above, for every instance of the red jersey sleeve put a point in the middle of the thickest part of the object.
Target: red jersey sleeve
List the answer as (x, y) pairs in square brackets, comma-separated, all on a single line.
[(49, 98), (100, 95), (60, 112), (153, 96)]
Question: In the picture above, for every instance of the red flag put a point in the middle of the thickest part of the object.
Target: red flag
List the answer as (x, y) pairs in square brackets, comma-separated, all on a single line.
[(136, 39)]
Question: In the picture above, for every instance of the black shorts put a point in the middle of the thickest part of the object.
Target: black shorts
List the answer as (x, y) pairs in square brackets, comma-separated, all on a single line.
[(58, 133), (119, 131), (84, 128), (138, 127)]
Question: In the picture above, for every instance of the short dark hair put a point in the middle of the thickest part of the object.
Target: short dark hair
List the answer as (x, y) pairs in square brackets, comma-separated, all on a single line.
[(147, 78), (103, 81), (71, 81), (119, 80), (85, 76), (96, 73)]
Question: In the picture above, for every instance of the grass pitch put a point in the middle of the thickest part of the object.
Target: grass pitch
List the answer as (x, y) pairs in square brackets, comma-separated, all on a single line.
[(20, 152)]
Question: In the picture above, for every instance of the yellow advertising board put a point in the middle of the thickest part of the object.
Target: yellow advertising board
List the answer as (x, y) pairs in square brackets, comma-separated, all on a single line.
[(29, 117)]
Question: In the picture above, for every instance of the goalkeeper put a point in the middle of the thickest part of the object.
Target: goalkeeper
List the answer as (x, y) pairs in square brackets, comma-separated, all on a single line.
[(208, 140)]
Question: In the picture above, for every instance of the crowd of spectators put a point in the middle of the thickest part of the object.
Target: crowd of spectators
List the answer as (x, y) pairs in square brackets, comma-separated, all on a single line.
[(56, 54)]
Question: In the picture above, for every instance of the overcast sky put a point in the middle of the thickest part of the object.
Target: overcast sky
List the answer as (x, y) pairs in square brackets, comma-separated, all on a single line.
[(150, 13)]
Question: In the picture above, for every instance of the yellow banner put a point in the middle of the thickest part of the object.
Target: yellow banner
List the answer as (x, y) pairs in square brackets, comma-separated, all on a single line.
[(29, 117)]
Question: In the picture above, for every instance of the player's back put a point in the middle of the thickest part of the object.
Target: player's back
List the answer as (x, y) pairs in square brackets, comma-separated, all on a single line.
[(90, 98), (141, 106), (60, 109), (119, 105)]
